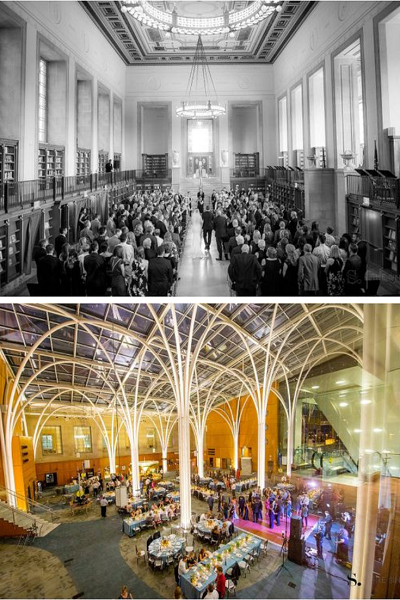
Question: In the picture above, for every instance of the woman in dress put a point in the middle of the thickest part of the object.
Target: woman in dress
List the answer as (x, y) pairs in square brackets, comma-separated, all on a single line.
[(334, 273), (117, 267), (271, 282), (289, 271), (139, 274), (197, 226)]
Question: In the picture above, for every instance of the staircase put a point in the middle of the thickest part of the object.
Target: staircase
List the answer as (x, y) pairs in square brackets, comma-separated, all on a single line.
[(18, 519), (193, 185)]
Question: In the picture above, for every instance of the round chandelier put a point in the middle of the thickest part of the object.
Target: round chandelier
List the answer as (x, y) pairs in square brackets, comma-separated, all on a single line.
[(201, 97), (228, 22)]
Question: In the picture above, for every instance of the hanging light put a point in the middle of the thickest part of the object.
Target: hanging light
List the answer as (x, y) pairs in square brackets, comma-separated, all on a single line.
[(199, 104), (153, 16)]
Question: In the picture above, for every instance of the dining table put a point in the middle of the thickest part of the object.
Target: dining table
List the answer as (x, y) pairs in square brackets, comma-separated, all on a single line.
[(131, 525), (194, 582), (166, 547), (207, 525), (174, 496)]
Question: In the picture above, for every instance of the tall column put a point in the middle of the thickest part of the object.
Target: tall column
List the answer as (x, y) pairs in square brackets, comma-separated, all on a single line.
[(261, 454), (184, 468), (71, 108), (200, 455), (135, 465), (164, 453), (236, 450), (290, 446), (28, 160), (176, 152), (378, 438), (95, 134)]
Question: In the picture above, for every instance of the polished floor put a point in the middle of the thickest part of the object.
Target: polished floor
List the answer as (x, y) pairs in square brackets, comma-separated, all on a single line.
[(92, 558), (204, 276)]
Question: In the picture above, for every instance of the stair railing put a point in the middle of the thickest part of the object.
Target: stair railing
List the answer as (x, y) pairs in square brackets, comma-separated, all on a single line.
[(32, 504), (16, 511)]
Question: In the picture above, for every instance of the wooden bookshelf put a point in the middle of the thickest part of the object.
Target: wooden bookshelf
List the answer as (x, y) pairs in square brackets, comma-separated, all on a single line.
[(155, 165), (3, 253), (354, 218), (82, 162), (50, 161), (391, 232), (8, 160), (103, 159), (247, 165), (14, 259)]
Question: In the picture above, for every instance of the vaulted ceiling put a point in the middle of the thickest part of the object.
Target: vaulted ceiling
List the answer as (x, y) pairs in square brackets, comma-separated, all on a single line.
[(139, 44), (87, 353)]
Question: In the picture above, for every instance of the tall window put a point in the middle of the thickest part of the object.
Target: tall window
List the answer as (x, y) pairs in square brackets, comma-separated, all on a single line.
[(83, 439), (42, 117), (283, 125), (51, 440), (349, 105), (297, 118), (316, 94)]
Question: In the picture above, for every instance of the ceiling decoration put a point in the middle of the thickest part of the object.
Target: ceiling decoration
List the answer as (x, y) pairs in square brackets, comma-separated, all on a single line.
[(80, 355), (138, 43), (226, 18), (201, 100)]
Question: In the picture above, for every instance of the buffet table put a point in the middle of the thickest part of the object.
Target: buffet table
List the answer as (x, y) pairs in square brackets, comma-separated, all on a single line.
[(166, 547), (195, 581)]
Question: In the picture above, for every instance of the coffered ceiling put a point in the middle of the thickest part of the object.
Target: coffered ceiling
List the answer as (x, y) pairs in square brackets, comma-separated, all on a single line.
[(140, 44)]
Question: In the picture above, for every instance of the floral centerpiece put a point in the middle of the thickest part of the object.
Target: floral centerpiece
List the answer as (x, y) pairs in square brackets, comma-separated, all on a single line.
[(165, 543)]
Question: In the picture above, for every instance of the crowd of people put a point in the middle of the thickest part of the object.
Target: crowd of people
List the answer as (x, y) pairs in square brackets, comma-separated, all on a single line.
[(270, 249), (273, 251), (134, 253)]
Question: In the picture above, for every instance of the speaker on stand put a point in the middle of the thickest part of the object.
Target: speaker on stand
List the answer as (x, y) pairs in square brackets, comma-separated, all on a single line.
[(296, 549)]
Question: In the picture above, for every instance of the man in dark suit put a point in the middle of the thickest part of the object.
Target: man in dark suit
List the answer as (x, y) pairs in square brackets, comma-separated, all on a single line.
[(60, 240), (160, 274), (245, 272), (95, 267), (208, 226), (48, 273), (221, 232)]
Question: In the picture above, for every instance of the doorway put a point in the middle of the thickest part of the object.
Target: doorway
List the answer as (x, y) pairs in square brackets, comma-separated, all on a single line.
[(200, 145)]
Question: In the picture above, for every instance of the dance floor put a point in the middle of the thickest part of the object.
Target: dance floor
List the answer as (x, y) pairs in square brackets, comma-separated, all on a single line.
[(274, 535)]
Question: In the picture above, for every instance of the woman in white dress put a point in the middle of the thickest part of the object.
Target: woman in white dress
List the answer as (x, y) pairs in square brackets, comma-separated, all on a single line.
[(197, 226)]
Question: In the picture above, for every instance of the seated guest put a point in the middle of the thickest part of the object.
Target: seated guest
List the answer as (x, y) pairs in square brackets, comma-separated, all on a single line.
[(211, 592), (203, 554), (191, 559)]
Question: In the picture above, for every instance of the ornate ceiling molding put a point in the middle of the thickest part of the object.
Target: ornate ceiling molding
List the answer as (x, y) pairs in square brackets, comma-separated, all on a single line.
[(137, 44)]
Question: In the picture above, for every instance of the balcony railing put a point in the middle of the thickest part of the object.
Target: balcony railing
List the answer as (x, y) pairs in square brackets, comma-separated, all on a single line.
[(23, 194), (379, 190), (281, 174)]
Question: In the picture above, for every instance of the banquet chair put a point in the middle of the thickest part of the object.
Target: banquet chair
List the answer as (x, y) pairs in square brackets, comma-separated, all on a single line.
[(156, 535), (264, 548), (255, 553), (215, 539), (207, 538), (159, 564), (140, 554), (230, 587), (150, 561), (244, 567)]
